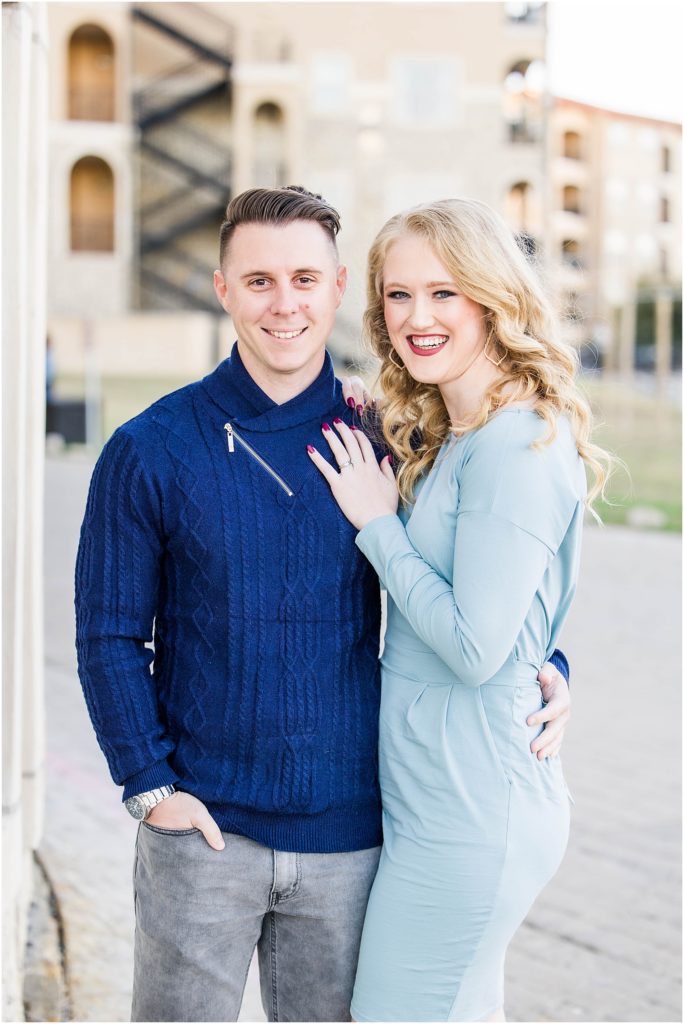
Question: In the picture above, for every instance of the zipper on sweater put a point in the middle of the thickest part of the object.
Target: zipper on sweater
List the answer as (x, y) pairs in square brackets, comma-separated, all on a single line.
[(232, 436)]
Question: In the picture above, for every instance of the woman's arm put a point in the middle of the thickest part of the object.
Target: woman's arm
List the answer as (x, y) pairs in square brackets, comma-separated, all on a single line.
[(472, 623), (514, 507)]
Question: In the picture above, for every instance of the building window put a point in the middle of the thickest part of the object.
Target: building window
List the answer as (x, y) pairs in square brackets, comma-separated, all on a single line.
[(618, 133), (571, 306), (648, 140), (664, 263), (571, 199), (92, 206), (517, 206), (572, 146), (529, 14), (523, 91), (664, 210), (270, 167), (614, 243), (330, 82), (571, 254), (270, 46), (646, 252), (426, 91), (91, 75), (665, 160), (616, 190)]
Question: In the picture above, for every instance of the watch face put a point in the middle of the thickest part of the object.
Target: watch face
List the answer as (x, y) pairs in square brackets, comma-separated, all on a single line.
[(136, 807)]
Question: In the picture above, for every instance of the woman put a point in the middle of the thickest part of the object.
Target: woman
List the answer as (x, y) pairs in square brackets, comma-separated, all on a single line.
[(490, 438)]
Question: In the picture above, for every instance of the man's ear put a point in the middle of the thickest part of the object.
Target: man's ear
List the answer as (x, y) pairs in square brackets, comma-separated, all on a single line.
[(341, 282), (221, 289)]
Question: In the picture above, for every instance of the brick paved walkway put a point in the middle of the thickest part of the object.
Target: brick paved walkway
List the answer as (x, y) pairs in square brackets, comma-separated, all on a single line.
[(603, 942)]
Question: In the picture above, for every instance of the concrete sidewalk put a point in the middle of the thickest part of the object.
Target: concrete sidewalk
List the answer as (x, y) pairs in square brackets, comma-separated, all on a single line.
[(602, 943)]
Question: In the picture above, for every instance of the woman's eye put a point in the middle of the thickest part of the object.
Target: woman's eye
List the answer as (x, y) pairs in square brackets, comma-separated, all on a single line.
[(444, 293), (397, 295)]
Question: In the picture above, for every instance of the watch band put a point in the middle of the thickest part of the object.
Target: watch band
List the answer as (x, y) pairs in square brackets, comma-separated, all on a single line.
[(139, 806)]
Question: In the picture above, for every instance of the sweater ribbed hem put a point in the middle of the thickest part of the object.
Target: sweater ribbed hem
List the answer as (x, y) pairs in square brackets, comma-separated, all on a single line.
[(156, 775), (340, 830)]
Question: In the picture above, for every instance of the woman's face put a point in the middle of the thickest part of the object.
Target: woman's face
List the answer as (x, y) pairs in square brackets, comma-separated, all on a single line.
[(437, 332)]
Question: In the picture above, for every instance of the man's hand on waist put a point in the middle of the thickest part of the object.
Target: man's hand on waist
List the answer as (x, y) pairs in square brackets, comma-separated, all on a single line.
[(182, 810), (555, 714)]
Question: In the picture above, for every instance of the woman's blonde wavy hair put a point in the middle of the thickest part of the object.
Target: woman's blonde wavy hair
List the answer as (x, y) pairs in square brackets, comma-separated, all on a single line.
[(484, 259)]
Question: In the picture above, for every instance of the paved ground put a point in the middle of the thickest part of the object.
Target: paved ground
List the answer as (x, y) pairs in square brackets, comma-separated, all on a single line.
[(602, 944)]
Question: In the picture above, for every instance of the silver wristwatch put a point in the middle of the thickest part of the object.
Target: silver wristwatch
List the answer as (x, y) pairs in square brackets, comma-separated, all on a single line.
[(141, 805)]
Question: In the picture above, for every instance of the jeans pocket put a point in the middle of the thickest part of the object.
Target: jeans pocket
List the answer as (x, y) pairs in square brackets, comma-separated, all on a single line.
[(169, 831)]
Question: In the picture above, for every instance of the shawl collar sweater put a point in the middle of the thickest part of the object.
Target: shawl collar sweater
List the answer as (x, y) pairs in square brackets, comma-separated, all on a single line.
[(226, 548)]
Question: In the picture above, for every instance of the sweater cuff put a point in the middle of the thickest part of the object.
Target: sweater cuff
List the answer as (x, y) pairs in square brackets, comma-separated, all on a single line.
[(559, 661), (155, 775)]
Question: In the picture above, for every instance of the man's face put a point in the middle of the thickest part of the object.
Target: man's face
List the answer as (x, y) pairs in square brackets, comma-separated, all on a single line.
[(281, 285)]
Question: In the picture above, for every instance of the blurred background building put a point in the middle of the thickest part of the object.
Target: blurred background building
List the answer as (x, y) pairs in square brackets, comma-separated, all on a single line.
[(160, 112), (615, 223)]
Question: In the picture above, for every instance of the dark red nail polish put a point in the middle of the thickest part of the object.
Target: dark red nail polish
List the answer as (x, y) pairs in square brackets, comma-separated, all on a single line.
[(351, 403), (326, 426), (389, 459), (310, 448), (337, 420), (359, 409), (353, 427)]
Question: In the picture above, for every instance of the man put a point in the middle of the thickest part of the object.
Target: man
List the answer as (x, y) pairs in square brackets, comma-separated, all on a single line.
[(250, 752)]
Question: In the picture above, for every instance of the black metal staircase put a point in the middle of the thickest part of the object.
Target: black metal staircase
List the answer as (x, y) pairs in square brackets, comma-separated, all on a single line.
[(184, 173)]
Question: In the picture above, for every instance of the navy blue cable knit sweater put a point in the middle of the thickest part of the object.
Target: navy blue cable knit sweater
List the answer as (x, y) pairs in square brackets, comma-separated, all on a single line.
[(264, 698), (209, 530)]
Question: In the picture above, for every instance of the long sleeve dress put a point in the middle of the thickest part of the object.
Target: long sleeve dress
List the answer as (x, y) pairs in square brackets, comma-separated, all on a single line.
[(480, 573)]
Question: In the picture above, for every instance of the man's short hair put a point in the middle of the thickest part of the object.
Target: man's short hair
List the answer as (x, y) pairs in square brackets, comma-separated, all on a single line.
[(277, 206)]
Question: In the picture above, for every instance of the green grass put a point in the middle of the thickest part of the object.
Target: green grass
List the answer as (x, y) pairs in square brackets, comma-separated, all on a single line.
[(643, 431)]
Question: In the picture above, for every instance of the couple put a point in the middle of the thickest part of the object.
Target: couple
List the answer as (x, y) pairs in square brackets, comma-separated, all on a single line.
[(247, 741)]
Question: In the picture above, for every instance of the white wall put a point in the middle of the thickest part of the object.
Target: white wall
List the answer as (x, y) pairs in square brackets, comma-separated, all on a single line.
[(23, 395)]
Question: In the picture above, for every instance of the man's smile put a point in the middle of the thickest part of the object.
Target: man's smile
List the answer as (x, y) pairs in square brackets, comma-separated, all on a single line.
[(285, 335)]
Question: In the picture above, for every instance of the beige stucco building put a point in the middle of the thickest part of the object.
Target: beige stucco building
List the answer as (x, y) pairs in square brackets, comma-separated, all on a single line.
[(161, 112), (615, 232)]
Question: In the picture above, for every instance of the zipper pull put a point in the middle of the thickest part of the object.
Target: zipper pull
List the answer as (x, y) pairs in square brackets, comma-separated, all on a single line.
[(229, 437)]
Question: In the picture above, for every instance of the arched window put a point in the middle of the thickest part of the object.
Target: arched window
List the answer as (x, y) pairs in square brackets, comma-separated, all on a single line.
[(665, 161), (92, 206), (518, 206), (571, 253), (91, 75), (524, 87), (269, 146), (571, 199), (524, 13), (572, 146)]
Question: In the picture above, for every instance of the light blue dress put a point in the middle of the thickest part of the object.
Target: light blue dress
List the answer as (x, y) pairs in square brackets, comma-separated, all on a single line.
[(480, 574)]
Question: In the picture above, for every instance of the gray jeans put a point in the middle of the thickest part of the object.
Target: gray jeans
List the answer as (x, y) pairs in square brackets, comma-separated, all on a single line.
[(200, 913)]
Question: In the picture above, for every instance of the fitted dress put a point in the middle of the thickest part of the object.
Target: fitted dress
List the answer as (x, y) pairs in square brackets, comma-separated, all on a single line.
[(480, 573)]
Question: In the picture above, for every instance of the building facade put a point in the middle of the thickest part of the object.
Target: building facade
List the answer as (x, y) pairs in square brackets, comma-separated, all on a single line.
[(615, 234), (160, 112)]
